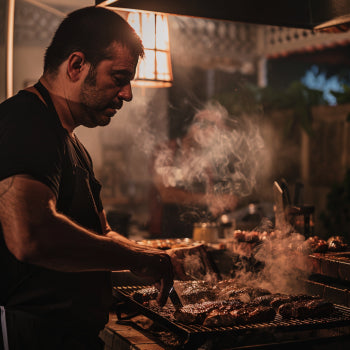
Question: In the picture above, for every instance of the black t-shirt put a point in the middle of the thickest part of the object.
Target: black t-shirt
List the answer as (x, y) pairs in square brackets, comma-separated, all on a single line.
[(33, 142)]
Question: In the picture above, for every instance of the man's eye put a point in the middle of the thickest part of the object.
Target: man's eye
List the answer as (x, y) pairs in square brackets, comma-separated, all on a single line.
[(120, 81)]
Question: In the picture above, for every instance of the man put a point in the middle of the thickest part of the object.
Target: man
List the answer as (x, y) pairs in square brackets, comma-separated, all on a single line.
[(56, 248)]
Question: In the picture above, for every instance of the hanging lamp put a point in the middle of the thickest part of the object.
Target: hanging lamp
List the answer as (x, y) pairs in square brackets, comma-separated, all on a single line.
[(154, 70)]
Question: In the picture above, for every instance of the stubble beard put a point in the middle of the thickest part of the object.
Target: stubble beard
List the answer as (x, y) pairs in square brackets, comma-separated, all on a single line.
[(91, 103)]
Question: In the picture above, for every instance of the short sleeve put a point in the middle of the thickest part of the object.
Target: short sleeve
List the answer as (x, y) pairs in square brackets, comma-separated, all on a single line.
[(29, 141)]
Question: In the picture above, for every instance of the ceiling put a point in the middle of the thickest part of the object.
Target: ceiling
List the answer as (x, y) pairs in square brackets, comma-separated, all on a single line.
[(306, 14), (68, 3)]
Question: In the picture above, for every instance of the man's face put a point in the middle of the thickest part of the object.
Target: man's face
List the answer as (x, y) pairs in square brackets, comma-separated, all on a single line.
[(107, 86)]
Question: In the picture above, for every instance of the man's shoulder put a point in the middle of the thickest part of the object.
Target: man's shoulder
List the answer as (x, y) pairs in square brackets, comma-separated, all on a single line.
[(23, 101), (24, 111), (25, 119)]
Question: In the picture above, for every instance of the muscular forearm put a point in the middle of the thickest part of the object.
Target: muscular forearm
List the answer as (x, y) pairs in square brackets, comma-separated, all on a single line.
[(36, 233), (63, 245)]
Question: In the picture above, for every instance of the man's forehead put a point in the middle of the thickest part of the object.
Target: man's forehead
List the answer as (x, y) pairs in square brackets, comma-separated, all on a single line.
[(116, 49), (121, 60)]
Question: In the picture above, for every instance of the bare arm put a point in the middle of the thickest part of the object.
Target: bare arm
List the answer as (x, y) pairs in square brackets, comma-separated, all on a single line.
[(104, 223), (36, 233)]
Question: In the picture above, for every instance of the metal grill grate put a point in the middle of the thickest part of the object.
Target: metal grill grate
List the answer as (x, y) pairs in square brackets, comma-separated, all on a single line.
[(340, 318)]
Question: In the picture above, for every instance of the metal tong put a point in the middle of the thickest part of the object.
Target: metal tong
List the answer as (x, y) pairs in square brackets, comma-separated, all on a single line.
[(175, 299)]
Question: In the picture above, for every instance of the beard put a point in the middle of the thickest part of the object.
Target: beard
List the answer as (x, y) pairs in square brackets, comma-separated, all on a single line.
[(93, 102)]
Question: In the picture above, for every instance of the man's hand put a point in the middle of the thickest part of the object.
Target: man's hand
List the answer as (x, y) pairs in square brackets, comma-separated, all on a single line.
[(157, 267), (149, 263)]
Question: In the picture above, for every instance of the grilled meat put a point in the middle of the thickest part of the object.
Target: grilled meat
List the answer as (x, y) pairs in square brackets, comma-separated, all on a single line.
[(231, 290), (297, 309), (303, 297), (262, 314), (196, 292), (228, 305), (336, 244), (320, 308), (313, 244), (301, 310), (286, 310), (145, 294), (280, 300), (240, 294), (195, 313), (304, 309), (265, 300), (241, 315), (226, 314), (238, 305), (258, 292), (218, 318)]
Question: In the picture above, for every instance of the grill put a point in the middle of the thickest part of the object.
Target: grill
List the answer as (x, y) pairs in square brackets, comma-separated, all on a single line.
[(250, 336)]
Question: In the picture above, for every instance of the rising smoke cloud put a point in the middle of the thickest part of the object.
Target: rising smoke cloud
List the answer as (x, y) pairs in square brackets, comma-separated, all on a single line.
[(283, 268), (220, 152)]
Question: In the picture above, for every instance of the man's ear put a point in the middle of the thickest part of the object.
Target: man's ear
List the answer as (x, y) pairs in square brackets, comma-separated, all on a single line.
[(75, 65)]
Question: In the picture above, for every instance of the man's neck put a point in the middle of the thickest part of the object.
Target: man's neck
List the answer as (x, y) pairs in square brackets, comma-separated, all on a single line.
[(60, 100)]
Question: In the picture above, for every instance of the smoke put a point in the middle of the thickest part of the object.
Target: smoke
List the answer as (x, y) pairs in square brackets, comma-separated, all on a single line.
[(281, 267), (192, 264), (220, 154), (142, 124), (194, 267)]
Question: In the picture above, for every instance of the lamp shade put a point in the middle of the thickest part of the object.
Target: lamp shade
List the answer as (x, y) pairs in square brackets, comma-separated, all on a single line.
[(154, 70)]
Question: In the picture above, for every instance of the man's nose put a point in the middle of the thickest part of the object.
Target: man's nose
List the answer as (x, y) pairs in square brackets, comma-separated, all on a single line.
[(125, 93)]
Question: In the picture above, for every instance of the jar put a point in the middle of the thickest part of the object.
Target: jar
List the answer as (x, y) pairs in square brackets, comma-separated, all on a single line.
[(206, 231), (302, 219)]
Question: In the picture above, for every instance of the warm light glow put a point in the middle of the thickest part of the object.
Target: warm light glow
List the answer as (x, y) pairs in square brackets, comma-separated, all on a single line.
[(154, 70)]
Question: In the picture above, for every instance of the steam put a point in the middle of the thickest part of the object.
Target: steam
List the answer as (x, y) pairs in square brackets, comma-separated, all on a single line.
[(281, 267), (220, 154), (193, 266)]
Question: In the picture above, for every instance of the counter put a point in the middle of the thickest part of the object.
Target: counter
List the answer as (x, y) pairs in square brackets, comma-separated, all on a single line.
[(125, 336)]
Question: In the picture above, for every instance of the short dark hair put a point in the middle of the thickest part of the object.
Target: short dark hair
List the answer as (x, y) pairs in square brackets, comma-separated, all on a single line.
[(90, 30)]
